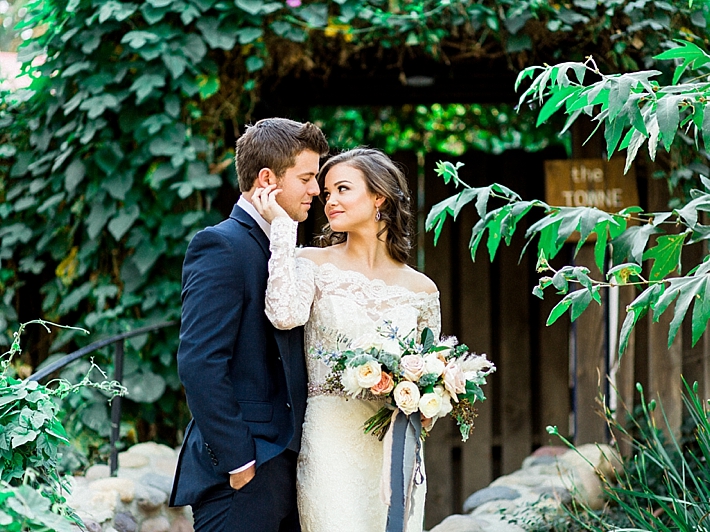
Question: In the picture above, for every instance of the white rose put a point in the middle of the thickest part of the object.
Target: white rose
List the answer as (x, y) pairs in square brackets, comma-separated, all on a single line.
[(446, 406), (412, 367), (433, 364), (349, 382), (391, 345), (430, 404), (407, 396), (368, 374)]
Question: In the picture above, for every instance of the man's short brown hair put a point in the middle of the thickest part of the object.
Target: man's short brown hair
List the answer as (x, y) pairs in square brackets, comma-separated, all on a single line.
[(275, 143)]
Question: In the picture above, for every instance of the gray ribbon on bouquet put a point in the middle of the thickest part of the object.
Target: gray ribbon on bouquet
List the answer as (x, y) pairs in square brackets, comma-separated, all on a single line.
[(405, 468)]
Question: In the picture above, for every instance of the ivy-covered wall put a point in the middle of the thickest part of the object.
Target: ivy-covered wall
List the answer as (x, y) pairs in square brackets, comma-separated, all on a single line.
[(121, 148)]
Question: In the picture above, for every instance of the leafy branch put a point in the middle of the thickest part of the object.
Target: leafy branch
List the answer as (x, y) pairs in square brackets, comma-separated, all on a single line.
[(630, 246), (634, 108)]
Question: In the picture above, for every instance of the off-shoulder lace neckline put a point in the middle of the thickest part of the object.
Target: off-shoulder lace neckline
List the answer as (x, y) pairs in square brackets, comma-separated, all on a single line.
[(377, 282)]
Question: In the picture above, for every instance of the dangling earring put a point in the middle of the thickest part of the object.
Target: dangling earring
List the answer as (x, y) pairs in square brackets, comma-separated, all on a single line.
[(378, 215)]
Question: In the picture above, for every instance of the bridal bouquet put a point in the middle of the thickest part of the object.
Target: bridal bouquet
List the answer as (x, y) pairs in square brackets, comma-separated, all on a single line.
[(412, 375)]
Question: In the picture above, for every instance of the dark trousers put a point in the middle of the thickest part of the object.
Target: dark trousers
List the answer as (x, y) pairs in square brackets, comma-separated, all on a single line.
[(266, 504)]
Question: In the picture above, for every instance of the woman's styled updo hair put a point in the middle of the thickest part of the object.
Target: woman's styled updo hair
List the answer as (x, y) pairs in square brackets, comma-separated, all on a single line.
[(383, 178)]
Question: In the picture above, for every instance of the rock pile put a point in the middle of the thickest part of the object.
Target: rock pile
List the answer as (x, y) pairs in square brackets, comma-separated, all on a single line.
[(529, 496), (134, 501)]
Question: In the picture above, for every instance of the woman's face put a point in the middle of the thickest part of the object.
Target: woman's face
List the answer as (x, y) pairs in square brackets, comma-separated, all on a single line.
[(349, 204)]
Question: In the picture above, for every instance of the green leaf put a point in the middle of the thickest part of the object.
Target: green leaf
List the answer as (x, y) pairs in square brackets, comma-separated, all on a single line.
[(668, 118), (98, 104), (622, 273), (315, 15), (701, 309), (253, 7), (123, 221), (209, 85), (98, 216), (214, 36), (143, 85), (706, 126), (690, 53), (175, 64), (665, 255), (144, 386), (254, 63), (74, 174), (636, 310), (248, 35), (138, 39), (559, 95), (631, 243)]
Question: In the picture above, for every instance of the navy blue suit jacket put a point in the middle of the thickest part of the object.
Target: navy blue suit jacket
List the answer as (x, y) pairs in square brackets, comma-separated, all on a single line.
[(245, 381)]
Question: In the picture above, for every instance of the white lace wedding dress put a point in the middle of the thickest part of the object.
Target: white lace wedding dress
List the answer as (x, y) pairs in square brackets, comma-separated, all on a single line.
[(340, 467)]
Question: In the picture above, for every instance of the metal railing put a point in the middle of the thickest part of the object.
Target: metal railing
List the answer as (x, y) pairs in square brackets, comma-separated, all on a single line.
[(119, 341)]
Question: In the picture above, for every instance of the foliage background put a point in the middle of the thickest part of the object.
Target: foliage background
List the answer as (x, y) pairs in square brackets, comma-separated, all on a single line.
[(121, 148)]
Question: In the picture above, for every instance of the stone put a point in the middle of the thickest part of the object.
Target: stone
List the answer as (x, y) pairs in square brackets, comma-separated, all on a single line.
[(459, 523), (152, 450), (129, 460), (125, 487), (97, 471), (181, 524), (125, 522), (98, 506), (163, 482), (156, 524), (92, 526), (543, 460), (561, 495), (491, 493), (149, 498), (501, 506), (550, 450), (163, 465)]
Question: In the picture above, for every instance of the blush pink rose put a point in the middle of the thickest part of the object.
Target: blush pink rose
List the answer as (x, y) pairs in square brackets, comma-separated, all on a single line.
[(454, 380), (412, 367), (385, 386)]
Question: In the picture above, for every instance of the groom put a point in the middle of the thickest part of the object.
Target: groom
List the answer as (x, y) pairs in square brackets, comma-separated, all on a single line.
[(245, 381)]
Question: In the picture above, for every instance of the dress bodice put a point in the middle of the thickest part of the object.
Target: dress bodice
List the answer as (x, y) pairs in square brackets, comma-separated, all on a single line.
[(337, 306)]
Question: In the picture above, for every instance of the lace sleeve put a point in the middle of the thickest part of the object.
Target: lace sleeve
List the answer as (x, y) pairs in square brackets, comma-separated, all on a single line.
[(430, 315), (291, 285)]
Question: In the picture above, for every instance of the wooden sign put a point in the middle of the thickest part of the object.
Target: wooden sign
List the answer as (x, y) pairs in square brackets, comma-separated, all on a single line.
[(590, 183)]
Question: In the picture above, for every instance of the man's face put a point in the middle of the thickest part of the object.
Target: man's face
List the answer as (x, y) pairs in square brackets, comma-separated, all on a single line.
[(298, 185)]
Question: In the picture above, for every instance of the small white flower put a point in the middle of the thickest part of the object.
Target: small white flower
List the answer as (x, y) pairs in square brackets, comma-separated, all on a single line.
[(406, 396), (433, 364), (430, 404), (391, 345), (368, 374), (349, 382)]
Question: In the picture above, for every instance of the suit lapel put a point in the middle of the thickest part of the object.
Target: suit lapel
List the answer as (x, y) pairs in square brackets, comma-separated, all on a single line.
[(255, 231)]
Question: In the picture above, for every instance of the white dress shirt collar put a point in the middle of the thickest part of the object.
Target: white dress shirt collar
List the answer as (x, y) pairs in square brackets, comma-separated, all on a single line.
[(258, 218)]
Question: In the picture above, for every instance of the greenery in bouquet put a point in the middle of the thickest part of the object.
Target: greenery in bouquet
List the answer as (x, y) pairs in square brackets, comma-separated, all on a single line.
[(411, 374)]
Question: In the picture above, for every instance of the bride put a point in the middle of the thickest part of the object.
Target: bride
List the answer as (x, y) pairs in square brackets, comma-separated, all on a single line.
[(347, 289)]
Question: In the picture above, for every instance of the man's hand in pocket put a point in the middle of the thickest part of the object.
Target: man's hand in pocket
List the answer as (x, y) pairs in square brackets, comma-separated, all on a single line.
[(241, 479)]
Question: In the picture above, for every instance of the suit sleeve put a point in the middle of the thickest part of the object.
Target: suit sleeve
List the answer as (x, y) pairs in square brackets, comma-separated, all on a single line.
[(212, 304)]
